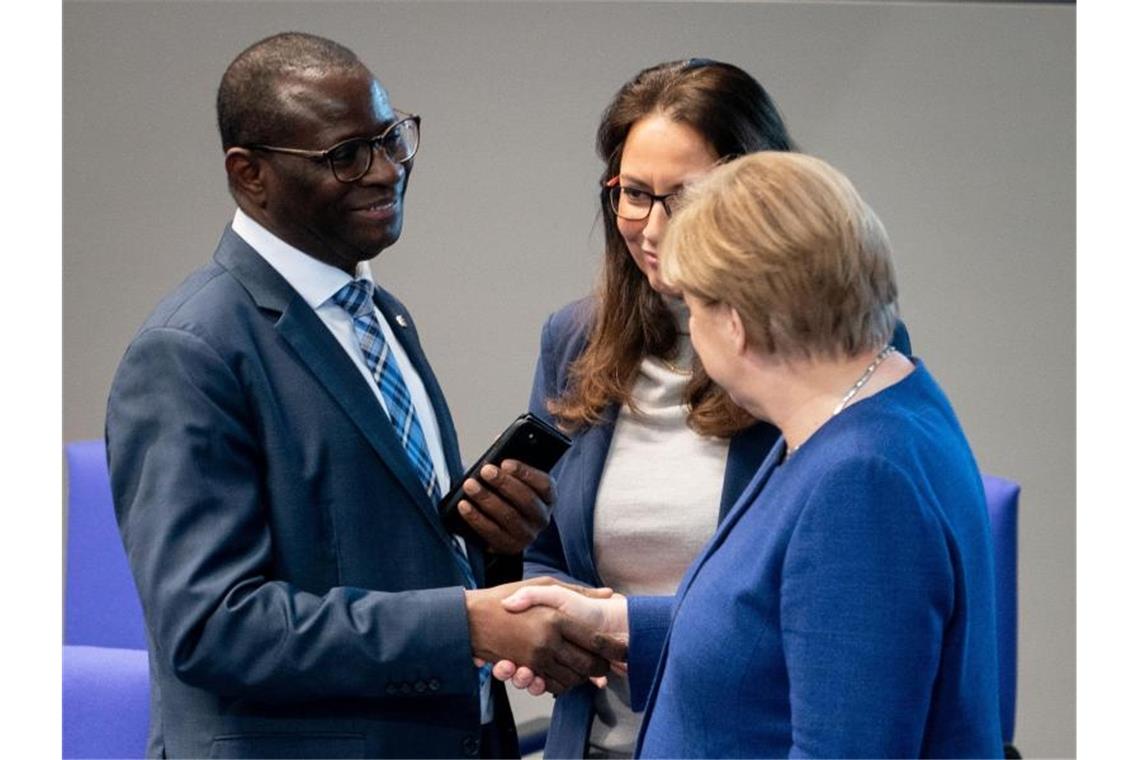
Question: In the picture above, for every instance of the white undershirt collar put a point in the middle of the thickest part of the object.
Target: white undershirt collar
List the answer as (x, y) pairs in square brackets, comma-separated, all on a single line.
[(314, 280)]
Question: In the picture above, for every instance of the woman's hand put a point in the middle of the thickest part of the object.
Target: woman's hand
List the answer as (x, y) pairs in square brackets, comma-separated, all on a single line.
[(606, 615)]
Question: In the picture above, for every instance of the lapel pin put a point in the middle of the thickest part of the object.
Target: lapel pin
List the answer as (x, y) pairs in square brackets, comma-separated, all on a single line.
[(401, 321)]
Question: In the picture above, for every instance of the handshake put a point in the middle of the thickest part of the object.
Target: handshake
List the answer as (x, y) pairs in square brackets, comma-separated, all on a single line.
[(545, 635)]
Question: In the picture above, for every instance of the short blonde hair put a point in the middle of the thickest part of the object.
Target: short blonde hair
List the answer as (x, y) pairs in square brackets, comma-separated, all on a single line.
[(786, 240)]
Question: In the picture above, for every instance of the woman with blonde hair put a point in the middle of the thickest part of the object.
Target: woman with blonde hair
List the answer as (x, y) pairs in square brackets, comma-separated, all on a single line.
[(844, 607)]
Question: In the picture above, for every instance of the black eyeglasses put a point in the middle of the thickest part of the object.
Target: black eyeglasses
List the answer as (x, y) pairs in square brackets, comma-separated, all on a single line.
[(350, 160), (635, 205)]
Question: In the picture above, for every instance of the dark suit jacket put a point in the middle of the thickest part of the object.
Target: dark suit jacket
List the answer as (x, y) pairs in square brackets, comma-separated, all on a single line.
[(566, 548), (300, 594)]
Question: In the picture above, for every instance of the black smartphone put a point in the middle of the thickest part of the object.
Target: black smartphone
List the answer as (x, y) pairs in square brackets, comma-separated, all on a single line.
[(528, 439)]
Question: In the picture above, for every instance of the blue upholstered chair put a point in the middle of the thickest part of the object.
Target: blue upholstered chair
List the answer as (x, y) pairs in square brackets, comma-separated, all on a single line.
[(102, 604), (106, 702), (106, 691), (1002, 501)]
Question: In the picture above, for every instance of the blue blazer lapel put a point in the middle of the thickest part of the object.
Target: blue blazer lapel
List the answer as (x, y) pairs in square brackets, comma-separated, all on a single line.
[(745, 500), (576, 527), (315, 345), (405, 331), (746, 453)]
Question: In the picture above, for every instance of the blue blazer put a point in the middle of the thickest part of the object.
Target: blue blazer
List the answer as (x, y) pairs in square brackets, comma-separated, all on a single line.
[(844, 608), (300, 593), (566, 548)]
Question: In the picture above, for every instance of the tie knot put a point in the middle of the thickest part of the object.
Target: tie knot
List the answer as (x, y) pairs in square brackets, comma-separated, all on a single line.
[(355, 298)]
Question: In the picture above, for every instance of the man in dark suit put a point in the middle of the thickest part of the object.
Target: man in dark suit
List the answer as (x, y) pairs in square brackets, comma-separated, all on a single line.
[(278, 445)]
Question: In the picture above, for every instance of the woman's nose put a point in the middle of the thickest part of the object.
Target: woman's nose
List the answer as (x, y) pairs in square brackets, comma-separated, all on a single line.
[(655, 224)]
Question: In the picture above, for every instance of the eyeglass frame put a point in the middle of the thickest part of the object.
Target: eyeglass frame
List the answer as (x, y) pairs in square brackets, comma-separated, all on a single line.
[(373, 143), (613, 190)]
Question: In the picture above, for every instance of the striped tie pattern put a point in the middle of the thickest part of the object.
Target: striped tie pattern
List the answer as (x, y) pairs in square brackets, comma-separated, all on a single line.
[(356, 299)]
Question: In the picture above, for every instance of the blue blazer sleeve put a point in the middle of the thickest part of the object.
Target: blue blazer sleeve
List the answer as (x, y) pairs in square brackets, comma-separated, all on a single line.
[(866, 590), (184, 454), (649, 618)]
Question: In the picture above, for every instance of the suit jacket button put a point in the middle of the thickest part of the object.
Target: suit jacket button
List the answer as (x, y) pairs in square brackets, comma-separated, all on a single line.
[(421, 687), (470, 746), (434, 684)]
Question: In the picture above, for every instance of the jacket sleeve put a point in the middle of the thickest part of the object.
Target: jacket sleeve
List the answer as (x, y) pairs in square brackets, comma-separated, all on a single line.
[(867, 589), (187, 468), (649, 619)]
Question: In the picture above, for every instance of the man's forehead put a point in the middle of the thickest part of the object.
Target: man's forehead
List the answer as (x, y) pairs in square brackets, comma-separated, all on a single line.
[(331, 95), (380, 96)]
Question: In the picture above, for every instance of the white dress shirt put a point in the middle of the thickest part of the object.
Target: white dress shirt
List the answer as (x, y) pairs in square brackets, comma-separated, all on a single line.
[(317, 282)]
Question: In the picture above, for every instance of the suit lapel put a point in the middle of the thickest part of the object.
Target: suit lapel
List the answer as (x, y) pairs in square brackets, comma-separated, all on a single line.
[(405, 332), (745, 500), (303, 330), (746, 452), (577, 526)]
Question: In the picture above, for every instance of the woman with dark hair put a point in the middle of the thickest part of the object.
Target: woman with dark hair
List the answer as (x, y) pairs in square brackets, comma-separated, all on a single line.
[(660, 452)]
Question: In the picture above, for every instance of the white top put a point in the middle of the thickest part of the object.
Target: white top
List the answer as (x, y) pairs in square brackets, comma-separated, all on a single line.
[(657, 505), (317, 282)]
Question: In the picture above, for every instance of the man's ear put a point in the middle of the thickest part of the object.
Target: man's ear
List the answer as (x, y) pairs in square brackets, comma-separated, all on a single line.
[(246, 175), (736, 332)]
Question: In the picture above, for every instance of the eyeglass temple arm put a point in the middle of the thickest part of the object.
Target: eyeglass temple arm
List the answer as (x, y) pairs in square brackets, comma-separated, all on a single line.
[(325, 153), (293, 151)]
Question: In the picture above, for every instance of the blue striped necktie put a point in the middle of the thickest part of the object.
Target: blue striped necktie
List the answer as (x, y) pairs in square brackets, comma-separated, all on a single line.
[(356, 299)]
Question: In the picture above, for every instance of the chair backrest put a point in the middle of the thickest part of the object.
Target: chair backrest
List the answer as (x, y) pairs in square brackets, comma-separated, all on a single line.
[(1002, 501), (101, 605)]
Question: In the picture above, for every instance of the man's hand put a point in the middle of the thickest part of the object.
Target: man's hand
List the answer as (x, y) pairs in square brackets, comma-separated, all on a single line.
[(605, 612), (508, 505), (564, 650), (601, 609)]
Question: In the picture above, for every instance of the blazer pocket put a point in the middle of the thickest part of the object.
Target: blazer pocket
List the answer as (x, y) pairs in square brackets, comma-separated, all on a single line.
[(287, 745)]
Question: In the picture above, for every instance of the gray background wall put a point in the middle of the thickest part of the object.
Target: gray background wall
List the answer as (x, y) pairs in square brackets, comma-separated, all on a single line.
[(956, 121)]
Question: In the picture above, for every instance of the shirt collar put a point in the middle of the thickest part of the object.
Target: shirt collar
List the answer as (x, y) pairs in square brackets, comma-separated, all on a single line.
[(314, 280)]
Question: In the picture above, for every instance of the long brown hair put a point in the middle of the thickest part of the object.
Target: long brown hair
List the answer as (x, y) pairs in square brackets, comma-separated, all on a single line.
[(732, 111)]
